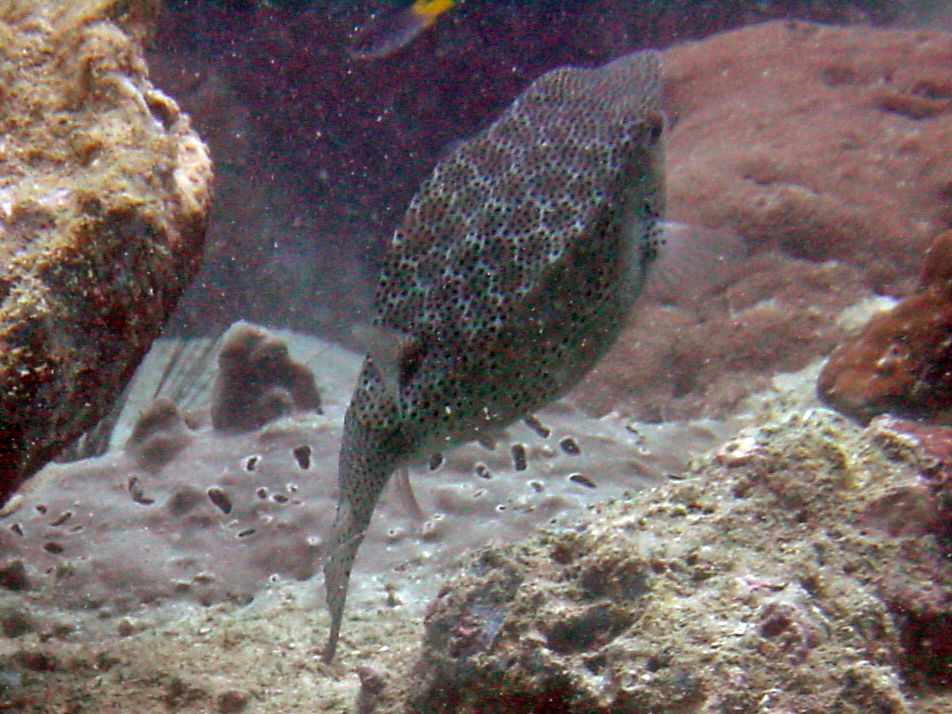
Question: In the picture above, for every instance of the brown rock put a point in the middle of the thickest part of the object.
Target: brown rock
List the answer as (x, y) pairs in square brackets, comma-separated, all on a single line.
[(902, 359), (827, 142), (158, 435), (257, 381), (104, 197)]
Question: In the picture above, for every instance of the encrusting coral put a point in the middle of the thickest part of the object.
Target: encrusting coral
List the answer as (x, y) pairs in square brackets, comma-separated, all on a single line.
[(104, 199), (257, 381), (901, 361)]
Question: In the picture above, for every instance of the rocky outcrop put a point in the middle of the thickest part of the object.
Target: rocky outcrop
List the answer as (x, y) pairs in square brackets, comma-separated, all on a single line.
[(104, 199), (800, 569), (257, 381), (901, 361)]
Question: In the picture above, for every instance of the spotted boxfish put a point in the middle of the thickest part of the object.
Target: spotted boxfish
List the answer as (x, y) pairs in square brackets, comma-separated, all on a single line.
[(510, 275)]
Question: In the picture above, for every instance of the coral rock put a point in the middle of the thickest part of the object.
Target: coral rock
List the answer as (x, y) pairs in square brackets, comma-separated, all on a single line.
[(733, 588), (104, 198), (902, 359), (158, 435), (832, 153), (257, 381), (826, 149)]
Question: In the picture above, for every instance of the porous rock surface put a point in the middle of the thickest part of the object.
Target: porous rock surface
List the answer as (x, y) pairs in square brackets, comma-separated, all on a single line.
[(801, 569), (104, 198), (191, 511), (813, 144)]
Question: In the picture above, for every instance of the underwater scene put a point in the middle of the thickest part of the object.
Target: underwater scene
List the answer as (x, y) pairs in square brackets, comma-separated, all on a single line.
[(436, 356)]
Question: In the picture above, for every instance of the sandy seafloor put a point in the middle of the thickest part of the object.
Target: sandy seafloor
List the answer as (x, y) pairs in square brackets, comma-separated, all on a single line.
[(265, 657)]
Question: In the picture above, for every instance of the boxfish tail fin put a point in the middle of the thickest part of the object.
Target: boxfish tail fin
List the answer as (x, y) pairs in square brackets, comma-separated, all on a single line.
[(345, 540)]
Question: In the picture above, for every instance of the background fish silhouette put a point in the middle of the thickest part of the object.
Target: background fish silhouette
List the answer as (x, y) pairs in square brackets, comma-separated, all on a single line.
[(388, 33), (510, 276)]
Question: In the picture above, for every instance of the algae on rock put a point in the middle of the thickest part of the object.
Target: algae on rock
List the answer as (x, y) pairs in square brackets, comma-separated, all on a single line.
[(769, 578), (104, 198)]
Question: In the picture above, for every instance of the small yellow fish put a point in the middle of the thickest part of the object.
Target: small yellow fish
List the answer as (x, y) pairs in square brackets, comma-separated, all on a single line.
[(511, 274), (383, 36)]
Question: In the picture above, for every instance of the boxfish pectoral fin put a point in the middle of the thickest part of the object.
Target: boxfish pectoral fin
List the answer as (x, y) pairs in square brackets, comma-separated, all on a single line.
[(401, 483), (695, 261)]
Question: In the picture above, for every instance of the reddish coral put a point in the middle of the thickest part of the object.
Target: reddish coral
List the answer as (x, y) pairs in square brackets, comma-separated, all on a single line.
[(902, 359), (257, 381), (919, 599)]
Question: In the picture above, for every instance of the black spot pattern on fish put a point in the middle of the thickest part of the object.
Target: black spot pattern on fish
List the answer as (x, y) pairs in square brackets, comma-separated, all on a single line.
[(510, 275)]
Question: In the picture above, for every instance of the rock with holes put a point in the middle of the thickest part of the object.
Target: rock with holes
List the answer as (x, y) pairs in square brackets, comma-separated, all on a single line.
[(177, 513), (104, 198), (185, 511)]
